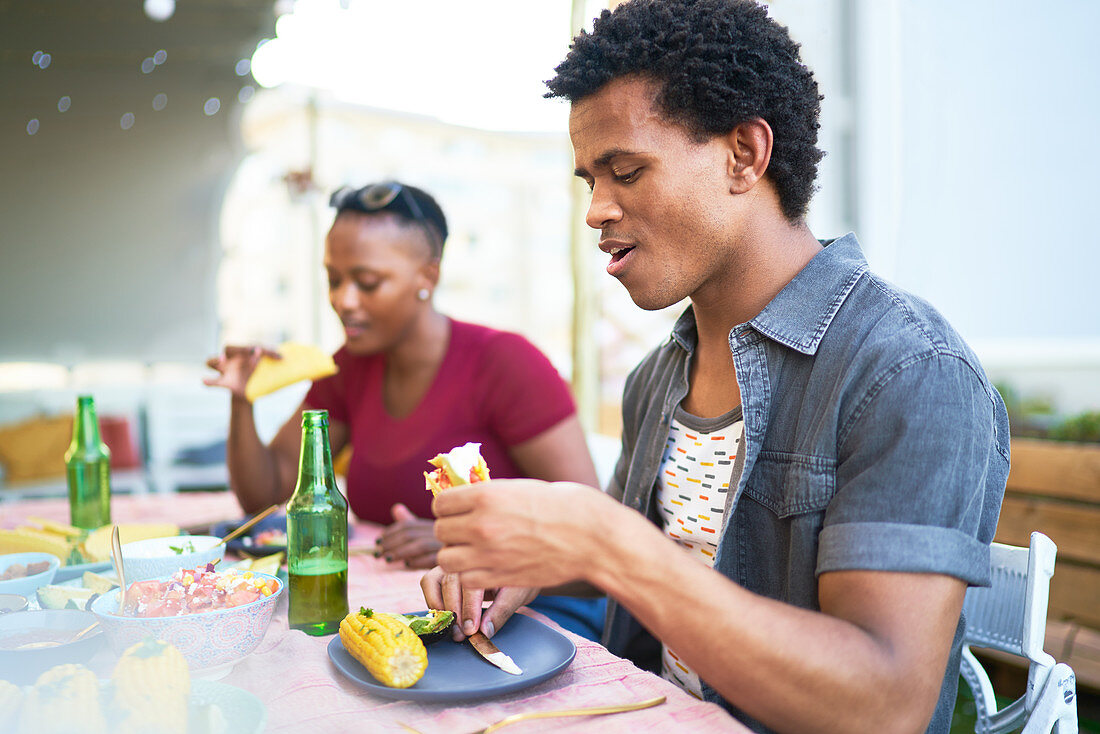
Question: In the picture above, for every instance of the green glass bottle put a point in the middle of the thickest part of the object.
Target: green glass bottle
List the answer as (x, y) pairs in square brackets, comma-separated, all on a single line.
[(317, 536), (88, 470)]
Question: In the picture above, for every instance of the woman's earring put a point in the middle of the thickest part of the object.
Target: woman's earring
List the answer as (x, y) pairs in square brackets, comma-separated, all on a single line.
[(423, 294)]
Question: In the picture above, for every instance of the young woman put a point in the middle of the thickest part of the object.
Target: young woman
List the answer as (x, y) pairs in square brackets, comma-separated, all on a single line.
[(412, 382)]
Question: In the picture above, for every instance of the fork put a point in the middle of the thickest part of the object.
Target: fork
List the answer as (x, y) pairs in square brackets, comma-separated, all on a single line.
[(593, 711)]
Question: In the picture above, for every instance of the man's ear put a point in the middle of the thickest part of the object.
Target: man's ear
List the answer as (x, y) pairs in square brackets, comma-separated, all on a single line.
[(749, 151)]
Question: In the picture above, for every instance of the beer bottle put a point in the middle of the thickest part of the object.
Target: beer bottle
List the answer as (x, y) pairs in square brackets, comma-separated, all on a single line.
[(88, 470), (317, 536)]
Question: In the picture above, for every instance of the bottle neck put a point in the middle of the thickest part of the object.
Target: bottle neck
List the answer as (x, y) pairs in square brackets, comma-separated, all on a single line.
[(315, 461), (85, 425)]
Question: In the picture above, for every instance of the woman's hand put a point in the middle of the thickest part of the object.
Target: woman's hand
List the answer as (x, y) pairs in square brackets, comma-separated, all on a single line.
[(235, 365), (410, 540), (444, 591)]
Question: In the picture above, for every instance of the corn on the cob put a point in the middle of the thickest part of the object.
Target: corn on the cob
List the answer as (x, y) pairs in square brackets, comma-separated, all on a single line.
[(28, 540), (64, 699), (386, 646), (11, 700), (152, 687)]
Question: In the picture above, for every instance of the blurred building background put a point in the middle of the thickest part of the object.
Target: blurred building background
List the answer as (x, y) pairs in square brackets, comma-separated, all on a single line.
[(168, 163)]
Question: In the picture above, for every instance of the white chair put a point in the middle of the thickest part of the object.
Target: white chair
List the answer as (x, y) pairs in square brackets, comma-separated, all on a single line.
[(1011, 616), (180, 417)]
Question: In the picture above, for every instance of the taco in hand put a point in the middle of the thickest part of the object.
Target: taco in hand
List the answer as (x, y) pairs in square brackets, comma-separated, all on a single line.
[(462, 465)]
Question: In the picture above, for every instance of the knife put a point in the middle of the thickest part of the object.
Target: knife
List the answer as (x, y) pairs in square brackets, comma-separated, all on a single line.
[(492, 653)]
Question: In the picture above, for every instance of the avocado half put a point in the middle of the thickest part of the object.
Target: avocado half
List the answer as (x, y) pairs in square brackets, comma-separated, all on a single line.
[(432, 625)]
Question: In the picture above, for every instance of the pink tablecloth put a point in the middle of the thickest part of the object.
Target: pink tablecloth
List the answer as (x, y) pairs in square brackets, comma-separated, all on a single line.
[(303, 692)]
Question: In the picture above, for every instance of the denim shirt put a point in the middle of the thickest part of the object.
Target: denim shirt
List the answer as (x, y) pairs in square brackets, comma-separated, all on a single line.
[(873, 440)]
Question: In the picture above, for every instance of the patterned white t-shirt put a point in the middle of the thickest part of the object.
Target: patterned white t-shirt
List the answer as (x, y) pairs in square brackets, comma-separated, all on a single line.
[(693, 485)]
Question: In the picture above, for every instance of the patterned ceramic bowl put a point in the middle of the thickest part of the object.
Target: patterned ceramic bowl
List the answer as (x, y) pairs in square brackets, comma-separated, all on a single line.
[(211, 641), (156, 557)]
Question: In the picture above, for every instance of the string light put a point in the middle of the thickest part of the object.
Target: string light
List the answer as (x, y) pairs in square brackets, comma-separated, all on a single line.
[(212, 106), (32, 126), (160, 10), (160, 101), (64, 103), (127, 121)]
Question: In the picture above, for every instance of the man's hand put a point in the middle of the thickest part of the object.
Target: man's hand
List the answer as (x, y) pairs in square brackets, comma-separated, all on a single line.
[(235, 365), (410, 540), (444, 591), (521, 532)]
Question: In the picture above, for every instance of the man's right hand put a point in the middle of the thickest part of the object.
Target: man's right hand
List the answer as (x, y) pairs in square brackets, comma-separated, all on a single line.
[(235, 365), (444, 591)]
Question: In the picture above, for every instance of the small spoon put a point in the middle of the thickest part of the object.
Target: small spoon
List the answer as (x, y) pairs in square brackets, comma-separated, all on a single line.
[(56, 643), (116, 553), (249, 524)]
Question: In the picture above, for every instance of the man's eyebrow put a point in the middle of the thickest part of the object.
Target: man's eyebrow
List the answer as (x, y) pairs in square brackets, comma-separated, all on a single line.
[(603, 160)]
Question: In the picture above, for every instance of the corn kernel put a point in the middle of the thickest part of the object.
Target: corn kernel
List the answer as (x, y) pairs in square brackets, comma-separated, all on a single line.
[(265, 591), (188, 579), (248, 574)]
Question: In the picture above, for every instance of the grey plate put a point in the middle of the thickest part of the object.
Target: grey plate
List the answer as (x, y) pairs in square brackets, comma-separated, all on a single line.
[(457, 673)]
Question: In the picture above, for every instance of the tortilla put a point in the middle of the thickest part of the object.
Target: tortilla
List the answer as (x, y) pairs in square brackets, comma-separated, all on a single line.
[(461, 465), (299, 362)]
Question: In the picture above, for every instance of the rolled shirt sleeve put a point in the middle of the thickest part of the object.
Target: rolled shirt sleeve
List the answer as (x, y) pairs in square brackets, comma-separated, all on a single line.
[(916, 474)]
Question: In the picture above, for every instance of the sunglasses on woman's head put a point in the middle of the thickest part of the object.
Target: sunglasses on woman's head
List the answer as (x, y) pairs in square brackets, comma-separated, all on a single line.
[(378, 197)]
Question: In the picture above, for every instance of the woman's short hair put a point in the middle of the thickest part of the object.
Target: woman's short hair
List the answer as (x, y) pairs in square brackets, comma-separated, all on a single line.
[(408, 203)]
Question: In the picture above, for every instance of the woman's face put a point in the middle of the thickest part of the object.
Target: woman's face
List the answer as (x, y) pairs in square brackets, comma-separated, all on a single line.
[(376, 265)]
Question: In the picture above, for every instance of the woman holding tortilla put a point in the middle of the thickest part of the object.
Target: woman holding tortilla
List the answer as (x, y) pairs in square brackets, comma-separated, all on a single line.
[(412, 382)]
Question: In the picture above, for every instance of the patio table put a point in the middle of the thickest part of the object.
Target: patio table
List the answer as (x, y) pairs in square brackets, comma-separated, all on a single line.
[(303, 692)]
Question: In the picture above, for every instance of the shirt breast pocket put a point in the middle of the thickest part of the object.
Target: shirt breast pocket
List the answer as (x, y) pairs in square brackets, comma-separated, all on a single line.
[(791, 484)]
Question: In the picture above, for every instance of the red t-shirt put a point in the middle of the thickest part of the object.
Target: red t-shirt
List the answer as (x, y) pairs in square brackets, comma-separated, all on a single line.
[(494, 388)]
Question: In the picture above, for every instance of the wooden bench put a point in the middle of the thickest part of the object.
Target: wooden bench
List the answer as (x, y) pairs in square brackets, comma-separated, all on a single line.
[(1054, 488)]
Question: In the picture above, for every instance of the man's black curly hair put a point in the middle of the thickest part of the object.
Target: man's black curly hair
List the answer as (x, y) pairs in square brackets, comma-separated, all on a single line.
[(717, 63)]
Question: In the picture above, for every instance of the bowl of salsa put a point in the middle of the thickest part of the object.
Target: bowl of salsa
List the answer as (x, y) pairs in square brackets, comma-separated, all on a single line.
[(215, 618)]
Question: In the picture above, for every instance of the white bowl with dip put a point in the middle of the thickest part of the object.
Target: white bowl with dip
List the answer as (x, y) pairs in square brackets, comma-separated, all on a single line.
[(27, 585), (157, 557)]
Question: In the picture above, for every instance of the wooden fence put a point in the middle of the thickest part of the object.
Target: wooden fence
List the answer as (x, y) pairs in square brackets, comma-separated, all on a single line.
[(1054, 488)]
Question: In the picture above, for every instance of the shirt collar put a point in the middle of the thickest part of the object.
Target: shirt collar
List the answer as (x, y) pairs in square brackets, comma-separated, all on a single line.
[(684, 331), (800, 313)]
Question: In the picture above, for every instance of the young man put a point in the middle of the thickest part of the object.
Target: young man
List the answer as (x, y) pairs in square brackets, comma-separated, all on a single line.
[(812, 465)]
